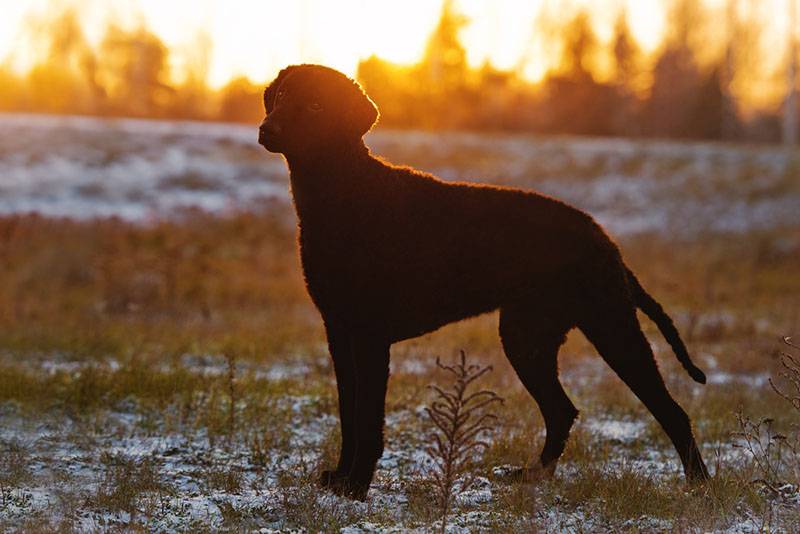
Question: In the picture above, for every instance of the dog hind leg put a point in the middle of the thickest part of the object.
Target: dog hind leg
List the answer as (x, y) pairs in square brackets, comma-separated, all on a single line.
[(531, 339), (613, 328)]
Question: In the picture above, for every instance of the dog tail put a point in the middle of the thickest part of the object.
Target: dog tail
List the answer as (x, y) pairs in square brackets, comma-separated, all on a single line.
[(656, 313)]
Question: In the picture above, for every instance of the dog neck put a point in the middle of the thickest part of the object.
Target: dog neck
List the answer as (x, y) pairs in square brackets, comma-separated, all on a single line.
[(319, 178), (339, 154)]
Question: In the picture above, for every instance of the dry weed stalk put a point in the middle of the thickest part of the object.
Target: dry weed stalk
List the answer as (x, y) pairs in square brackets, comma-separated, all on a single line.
[(772, 453), (231, 361), (775, 456), (460, 418), (791, 372)]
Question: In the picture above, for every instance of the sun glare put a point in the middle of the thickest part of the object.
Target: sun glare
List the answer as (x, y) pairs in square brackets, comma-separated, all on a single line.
[(255, 38)]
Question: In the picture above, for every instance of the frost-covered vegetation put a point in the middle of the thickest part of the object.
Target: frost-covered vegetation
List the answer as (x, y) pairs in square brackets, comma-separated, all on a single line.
[(139, 170), (165, 370)]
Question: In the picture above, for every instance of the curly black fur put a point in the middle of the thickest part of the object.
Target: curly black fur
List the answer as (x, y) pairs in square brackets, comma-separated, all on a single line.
[(390, 253)]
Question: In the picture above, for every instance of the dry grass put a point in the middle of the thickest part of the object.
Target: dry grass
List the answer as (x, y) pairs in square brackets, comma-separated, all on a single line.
[(105, 321), (14, 471), (126, 481)]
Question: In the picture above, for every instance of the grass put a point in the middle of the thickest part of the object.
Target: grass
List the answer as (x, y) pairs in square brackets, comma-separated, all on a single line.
[(14, 470), (110, 289), (167, 373), (126, 481)]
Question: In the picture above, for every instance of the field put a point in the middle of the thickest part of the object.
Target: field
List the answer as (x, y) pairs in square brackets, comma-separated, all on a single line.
[(162, 369)]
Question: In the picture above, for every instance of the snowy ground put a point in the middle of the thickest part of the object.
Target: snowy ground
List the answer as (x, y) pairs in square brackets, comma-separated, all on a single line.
[(127, 466), (138, 170), (131, 463)]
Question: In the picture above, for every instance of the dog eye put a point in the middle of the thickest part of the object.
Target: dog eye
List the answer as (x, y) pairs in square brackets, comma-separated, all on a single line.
[(315, 106), (280, 94)]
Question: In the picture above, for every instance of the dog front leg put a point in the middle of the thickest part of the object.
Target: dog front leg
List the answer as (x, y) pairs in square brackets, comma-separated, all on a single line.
[(340, 347), (371, 358)]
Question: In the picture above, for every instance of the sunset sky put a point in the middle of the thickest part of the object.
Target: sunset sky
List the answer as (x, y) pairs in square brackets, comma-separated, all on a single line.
[(256, 38)]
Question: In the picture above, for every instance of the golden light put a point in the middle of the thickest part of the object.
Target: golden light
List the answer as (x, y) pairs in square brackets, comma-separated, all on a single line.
[(256, 38)]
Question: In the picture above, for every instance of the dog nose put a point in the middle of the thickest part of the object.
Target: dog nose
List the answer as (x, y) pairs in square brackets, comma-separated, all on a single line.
[(270, 127)]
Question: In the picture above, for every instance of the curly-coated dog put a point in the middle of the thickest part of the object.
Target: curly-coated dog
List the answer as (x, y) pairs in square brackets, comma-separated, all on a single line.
[(390, 253)]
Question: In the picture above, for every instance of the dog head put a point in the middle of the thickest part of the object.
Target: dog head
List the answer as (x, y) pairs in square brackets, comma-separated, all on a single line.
[(311, 108)]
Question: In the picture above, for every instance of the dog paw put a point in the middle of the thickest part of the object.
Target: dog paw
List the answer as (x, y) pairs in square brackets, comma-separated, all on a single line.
[(331, 478), (340, 484), (524, 475), (356, 492), (698, 477)]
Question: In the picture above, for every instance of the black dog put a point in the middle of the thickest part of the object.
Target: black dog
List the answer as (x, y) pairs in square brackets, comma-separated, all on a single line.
[(390, 253)]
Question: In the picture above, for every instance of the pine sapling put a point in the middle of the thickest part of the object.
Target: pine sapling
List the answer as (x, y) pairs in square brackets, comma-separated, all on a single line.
[(461, 418)]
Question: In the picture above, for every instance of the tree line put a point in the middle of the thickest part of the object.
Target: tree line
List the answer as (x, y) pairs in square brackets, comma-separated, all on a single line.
[(127, 74), (678, 97), (674, 95)]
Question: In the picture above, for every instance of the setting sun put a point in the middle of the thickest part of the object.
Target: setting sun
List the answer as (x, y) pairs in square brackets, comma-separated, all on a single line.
[(214, 43), (255, 39), (246, 38)]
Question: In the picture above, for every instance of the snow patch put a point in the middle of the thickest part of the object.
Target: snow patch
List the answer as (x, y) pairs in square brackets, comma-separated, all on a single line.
[(624, 431), (142, 170)]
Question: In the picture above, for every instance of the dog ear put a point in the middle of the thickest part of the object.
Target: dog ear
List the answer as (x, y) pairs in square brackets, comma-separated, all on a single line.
[(271, 92), (363, 112)]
